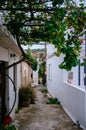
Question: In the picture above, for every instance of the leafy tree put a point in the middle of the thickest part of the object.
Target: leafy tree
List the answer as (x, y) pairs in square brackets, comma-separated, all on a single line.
[(32, 60), (41, 72), (64, 31), (42, 69), (60, 22)]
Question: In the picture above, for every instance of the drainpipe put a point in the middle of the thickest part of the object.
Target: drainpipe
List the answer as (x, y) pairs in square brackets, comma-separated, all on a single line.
[(85, 64)]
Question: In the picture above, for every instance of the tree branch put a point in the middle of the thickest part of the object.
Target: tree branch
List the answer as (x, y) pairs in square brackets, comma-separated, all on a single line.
[(15, 63)]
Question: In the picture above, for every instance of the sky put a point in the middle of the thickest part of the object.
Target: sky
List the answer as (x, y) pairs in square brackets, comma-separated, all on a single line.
[(38, 47), (34, 46)]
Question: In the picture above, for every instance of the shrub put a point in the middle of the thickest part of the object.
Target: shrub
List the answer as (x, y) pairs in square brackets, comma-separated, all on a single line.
[(26, 96), (8, 127), (53, 101), (44, 90)]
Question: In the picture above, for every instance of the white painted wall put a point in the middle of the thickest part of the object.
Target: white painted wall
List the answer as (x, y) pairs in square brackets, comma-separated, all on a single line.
[(1, 17), (10, 95), (17, 82), (11, 89), (71, 96), (74, 81), (4, 54), (35, 78), (74, 103), (56, 76), (35, 74)]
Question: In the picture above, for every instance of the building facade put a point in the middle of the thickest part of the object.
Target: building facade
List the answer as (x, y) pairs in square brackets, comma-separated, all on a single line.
[(9, 76), (67, 86), (25, 72)]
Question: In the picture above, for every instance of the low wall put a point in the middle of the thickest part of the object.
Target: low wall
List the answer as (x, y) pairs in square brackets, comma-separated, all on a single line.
[(73, 100), (74, 103)]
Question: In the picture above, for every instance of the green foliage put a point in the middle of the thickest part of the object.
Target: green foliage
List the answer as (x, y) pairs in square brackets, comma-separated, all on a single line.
[(17, 110), (53, 101), (32, 60), (64, 30), (34, 65), (56, 2), (41, 73), (14, 22), (62, 27), (8, 127), (41, 69), (44, 90), (26, 93)]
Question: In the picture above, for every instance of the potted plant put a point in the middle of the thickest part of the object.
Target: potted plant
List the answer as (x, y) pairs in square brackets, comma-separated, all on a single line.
[(26, 96), (8, 127), (7, 124)]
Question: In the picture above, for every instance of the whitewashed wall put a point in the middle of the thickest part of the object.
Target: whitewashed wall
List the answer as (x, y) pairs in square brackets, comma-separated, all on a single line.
[(10, 95), (35, 78), (71, 96), (4, 54), (35, 74), (16, 79), (55, 76), (1, 18), (74, 101), (75, 79)]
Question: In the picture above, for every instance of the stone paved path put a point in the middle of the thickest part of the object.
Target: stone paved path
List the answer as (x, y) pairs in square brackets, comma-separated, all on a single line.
[(42, 116)]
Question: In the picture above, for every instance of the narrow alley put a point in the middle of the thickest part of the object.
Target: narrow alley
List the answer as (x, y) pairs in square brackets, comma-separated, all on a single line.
[(43, 116)]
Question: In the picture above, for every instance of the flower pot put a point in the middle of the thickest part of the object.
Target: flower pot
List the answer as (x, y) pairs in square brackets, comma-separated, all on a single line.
[(26, 103)]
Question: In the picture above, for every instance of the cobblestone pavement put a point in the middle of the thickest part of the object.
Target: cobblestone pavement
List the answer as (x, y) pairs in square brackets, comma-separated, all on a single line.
[(42, 116)]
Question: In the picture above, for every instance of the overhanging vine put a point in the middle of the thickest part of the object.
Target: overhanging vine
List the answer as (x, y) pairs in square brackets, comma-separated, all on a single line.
[(60, 22)]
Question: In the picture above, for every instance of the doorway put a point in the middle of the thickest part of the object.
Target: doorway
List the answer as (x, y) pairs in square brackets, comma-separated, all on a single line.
[(2, 90)]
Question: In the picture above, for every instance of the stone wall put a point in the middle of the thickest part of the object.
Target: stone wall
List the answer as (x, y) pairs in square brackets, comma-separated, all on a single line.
[(25, 74)]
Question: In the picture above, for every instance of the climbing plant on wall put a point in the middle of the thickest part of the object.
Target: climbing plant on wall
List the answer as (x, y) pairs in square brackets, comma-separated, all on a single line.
[(60, 22), (32, 60)]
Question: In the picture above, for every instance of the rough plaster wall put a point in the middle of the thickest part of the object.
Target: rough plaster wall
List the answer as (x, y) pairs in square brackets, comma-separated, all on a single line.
[(25, 74)]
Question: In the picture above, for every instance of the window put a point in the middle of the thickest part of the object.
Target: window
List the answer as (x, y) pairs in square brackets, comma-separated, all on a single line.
[(70, 77), (50, 72)]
